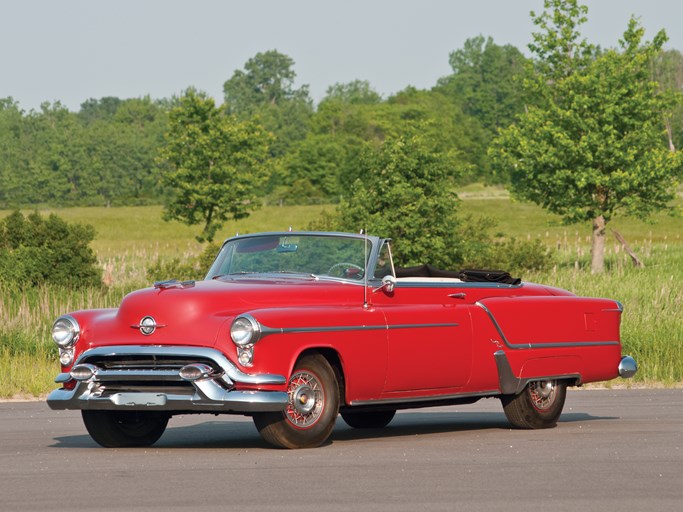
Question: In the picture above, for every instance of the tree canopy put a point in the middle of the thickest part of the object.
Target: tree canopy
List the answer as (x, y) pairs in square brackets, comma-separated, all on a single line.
[(592, 145), (214, 164)]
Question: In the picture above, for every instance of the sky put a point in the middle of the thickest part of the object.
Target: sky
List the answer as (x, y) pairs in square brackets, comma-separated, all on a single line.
[(73, 50)]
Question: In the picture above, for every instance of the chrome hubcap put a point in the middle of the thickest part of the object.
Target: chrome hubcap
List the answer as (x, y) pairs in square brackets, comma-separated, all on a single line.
[(542, 393), (306, 400)]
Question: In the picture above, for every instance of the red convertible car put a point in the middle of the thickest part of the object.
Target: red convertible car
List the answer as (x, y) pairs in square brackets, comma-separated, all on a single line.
[(296, 328)]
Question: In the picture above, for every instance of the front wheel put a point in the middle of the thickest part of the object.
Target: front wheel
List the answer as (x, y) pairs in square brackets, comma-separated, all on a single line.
[(313, 407), (538, 406), (118, 429)]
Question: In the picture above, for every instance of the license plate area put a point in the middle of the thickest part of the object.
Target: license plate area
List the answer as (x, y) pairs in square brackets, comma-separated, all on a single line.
[(130, 399)]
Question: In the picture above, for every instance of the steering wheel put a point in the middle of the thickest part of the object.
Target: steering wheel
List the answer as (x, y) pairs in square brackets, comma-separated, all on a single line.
[(348, 270)]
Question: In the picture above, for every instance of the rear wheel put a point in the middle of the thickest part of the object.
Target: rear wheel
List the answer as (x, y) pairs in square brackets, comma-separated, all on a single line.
[(117, 429), (313, 407), (538, 406), (370, 419)]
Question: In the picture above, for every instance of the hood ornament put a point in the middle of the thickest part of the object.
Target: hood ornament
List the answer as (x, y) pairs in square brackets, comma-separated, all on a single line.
[(148, 325)]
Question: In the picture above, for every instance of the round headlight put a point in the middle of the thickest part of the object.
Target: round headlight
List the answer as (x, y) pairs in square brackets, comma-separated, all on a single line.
[(245, 330), (65, 331)]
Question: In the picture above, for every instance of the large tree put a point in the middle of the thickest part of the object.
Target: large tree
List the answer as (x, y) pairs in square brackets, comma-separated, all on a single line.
[(406, 194), (592, 145), (668, 72), (486, 81), (214, 164), (265, 88)]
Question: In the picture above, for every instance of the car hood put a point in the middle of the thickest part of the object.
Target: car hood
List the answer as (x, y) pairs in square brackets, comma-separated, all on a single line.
[(200, 314)]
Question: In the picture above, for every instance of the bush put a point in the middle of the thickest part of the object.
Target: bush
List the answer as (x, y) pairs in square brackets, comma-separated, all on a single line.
[(513, 255), (36, 251), (190, 269)]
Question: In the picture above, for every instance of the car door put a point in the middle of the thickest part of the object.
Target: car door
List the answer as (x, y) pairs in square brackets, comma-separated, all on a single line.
[(429, 332)]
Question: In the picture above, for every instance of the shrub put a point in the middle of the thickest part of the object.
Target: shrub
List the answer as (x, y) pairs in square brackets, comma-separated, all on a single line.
[(182, 270), (36, 251), (515, 256)]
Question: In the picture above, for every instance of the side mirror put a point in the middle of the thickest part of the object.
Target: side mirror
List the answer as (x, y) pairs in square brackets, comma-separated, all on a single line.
[(388, 284)]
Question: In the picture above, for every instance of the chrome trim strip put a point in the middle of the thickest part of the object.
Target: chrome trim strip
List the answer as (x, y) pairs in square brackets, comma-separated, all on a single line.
[(414, 400), (265, 330), (561, 344), (619, 308), (135, 375)]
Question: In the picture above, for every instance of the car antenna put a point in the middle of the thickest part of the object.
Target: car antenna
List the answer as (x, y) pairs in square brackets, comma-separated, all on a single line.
[(365, 264)]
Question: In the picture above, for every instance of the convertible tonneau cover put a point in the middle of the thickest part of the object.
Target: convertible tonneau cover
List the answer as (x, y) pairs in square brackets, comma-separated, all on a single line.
[(468, 275)]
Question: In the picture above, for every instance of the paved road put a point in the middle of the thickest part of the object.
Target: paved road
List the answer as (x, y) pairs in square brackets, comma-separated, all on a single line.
[(613, 450)]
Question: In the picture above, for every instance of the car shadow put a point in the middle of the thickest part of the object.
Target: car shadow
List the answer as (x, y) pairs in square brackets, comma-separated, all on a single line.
[(231, 434)]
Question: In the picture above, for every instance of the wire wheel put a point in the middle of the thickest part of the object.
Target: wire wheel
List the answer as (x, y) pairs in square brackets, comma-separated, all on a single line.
[(542, 394), (306, 400), (539, 405), (313, 407)]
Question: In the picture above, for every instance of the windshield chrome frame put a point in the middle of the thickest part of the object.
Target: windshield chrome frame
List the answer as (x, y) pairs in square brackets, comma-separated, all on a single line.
[(373, 255)]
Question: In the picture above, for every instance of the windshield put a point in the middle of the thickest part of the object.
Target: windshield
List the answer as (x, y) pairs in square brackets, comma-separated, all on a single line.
[(318, 255)]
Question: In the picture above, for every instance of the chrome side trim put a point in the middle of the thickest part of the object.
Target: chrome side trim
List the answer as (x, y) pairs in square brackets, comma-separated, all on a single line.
[(417, 400), (561, 344), (619, 308), (265, 330)]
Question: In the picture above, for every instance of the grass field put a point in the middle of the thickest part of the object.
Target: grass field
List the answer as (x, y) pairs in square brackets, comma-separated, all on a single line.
[(130, 239)]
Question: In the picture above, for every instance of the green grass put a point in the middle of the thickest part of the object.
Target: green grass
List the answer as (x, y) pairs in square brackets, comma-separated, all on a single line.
[(129, 239)]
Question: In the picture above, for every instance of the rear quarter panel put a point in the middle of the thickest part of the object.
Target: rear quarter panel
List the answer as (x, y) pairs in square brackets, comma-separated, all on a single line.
[(554, 336)]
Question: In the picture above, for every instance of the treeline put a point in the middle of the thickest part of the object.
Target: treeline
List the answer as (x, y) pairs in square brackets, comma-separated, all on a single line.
[(107, 153)]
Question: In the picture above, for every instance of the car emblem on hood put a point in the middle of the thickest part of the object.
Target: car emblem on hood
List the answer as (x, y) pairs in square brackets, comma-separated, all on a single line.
[(148, 325)]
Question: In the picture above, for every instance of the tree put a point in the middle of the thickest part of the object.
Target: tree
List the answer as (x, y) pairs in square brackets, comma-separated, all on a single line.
[(406, 194), (356, 92), (214, 163), (668, 73), (265, 89), (11, 170), (593, 143), (486, 81)]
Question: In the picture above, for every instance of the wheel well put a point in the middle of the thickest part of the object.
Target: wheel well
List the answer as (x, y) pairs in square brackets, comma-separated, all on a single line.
[(333, 359)]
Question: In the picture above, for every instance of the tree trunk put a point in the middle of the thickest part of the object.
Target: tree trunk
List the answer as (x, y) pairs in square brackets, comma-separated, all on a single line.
[(669, 132), (598, 246)]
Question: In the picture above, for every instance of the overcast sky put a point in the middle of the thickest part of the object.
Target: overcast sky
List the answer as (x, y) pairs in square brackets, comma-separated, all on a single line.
[(72, 50)]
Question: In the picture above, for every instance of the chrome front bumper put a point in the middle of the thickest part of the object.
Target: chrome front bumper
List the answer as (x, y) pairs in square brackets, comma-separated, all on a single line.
[(149, 377)]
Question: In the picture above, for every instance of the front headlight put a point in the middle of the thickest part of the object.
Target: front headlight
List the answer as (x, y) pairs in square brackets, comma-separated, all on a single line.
[(245, 331), (65, 331)]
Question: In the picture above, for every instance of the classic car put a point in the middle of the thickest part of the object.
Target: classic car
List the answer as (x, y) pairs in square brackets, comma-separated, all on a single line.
[(297, 328)]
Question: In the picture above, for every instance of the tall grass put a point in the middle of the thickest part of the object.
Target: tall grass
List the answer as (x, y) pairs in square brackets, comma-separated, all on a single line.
[(130, 239)]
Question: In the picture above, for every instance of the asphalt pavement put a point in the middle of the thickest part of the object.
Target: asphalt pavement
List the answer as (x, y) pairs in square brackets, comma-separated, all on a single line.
[(612, 450)]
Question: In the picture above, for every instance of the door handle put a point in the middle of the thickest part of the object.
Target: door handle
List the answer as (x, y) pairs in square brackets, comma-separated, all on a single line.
[(460, 295)]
